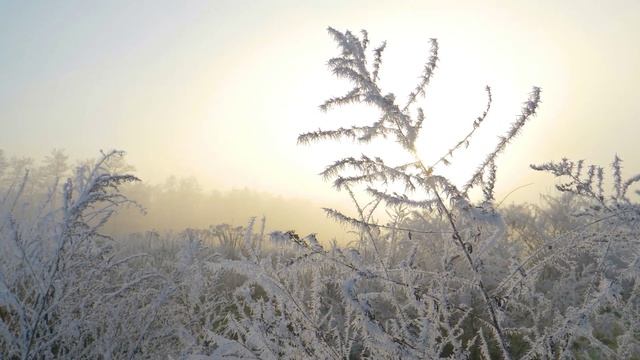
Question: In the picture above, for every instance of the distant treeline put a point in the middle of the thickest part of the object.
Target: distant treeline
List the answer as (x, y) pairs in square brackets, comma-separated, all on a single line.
[(182, 203), (178, 203)]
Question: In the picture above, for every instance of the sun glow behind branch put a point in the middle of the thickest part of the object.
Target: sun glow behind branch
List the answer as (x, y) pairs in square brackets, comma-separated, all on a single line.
[(452, 103)]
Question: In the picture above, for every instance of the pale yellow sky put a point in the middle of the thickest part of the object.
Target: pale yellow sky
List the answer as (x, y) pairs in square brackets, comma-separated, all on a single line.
[(220, 90)]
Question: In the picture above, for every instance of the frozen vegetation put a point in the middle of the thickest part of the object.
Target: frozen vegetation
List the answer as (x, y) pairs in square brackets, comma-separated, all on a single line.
[(448, 274)]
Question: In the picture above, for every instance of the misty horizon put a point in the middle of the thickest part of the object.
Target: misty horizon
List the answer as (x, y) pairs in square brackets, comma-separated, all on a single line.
[(169, 87)]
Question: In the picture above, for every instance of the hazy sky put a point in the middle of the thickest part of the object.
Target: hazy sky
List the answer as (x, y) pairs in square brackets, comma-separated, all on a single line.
[(220, 90)]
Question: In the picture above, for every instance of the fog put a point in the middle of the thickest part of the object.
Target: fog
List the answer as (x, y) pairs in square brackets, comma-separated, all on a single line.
[(220, 90), (178, 204)]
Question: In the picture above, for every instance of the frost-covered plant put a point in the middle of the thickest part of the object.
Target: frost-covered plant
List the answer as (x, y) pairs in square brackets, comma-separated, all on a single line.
[(595, 264), (425, 190), (61, 282), (447, 276), (394, 304)]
